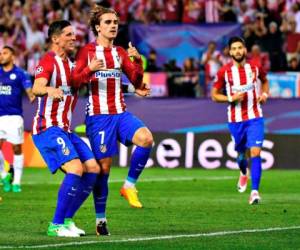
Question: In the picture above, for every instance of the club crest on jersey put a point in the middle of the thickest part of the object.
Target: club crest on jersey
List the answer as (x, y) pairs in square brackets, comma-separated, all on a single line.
[(66, 151), (39, 70), (12, 76), (103, 148)]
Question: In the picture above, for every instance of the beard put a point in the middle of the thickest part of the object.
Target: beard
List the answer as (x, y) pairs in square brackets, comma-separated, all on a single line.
[(239, 59)]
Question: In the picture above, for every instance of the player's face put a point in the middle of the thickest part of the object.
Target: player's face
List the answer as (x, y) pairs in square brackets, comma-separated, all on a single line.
[(6, 57), (66, 40), (238, 51), (108, 27)]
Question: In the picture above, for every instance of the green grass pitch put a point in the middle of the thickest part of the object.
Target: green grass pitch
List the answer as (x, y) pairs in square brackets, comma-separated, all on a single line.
[(183, 209)]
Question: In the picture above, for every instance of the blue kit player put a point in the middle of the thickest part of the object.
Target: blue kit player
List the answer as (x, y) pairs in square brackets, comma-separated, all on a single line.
[(13, 82)]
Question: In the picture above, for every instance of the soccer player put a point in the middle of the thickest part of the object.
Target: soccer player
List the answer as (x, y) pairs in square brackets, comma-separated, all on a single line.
[(246, 124), (60, 148), (13, 81), (100, 64)]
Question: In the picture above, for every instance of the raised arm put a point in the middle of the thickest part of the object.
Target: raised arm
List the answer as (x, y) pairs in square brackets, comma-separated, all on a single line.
[(133, 69)]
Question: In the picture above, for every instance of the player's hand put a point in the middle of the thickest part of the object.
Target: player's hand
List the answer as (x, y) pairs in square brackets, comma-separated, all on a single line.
[(263, 98), (238, 97), (96, 64), (132, 51), (143, 91), (55, 93)]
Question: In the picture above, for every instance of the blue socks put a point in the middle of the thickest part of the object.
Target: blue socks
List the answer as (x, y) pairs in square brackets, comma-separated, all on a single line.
[(255, 172), (85, 187), (100, 193), (139, 159), (243, 163), (66, 195)]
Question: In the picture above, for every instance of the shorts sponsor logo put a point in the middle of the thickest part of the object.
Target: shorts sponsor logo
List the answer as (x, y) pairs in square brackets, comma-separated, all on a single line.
[(103, 148)]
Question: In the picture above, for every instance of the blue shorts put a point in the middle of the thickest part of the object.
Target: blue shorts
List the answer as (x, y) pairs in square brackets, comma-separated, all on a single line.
[(58, 147), (104, 132), (247, 134)]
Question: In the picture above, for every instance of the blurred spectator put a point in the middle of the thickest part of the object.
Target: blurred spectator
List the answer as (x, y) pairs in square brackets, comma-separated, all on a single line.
[(33, 35), (274, 45), (228, 11), (212, 11), (172, 11), (245, 14), (261, 59), (294, 65), (151, 62), (225, 57), (263, 11), (190, 79), (192, 11), (211, 61)]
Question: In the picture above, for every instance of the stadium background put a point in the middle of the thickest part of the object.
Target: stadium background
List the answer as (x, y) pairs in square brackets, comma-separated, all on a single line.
[(189, 129), (173, 37)]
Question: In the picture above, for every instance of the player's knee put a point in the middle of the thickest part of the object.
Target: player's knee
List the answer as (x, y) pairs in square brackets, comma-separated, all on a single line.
[(146, 139), (105, 165), (255, 152), (92, 166)]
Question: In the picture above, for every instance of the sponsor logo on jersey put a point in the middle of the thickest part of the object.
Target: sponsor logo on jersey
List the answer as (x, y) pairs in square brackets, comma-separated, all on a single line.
[(13, 76), (243, 88), (5, 90), (108, 74), (103, 148)]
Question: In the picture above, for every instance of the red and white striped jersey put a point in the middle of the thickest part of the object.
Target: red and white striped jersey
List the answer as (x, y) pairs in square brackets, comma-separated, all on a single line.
[(241, 79), (105, 90), (52, 112)]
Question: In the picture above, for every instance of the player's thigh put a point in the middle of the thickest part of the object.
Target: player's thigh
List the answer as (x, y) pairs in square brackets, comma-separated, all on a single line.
[(238, 136), (255, 133), (12, 129), (102, 133), (55, 147), (128, 126)]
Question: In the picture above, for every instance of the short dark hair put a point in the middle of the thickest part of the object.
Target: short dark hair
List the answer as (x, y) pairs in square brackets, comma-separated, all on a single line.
[(56, 27), (235, 39), (11, 49)]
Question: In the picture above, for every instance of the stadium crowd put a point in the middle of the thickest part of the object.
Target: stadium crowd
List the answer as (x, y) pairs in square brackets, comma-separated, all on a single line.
[(271, 28)]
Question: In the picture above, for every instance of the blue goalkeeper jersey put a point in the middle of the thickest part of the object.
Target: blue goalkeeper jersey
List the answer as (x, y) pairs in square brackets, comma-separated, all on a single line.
[(12, 85)]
